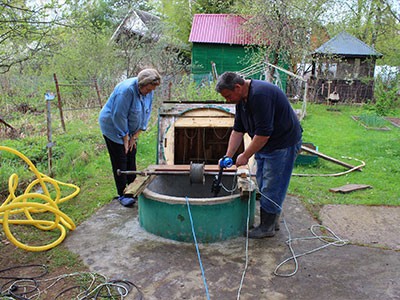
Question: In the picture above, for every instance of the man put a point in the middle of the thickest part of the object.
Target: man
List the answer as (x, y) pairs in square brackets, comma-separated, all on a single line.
[(264, 112), (125, 115)]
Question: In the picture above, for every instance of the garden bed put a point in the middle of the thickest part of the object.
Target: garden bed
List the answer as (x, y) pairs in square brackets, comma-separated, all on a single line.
[(371, 123)]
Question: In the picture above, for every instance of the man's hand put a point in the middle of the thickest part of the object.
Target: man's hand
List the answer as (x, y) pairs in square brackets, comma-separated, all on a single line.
[(241, 160), (255, 145)]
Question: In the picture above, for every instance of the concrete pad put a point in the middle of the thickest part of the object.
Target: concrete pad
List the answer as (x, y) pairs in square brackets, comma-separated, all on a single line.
[(112, 243), (369, 225)]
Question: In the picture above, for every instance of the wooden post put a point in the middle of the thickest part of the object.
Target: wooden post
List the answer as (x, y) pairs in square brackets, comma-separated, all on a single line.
[(169, 90), (59, 102), (97, 91)]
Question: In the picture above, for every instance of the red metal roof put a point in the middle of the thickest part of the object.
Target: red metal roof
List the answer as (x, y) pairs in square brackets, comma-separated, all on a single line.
[(219, 29)]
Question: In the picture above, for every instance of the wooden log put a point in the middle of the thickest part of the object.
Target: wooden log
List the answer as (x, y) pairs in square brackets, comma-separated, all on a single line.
[(334, 160)]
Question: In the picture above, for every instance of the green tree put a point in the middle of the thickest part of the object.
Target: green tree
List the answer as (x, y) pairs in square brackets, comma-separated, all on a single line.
[(375, 22), (154, 49), (179, 14), (212, 6), (284, 27)]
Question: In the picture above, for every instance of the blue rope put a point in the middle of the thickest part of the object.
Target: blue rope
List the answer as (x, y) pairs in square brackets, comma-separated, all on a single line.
[(197, 248)]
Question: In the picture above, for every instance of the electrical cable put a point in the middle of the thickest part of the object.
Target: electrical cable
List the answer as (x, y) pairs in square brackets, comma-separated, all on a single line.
[(332, 240), (329, 240), (234, 185), (359, 167), (197, 248), (30, 203), (246, 245), (92, 286)]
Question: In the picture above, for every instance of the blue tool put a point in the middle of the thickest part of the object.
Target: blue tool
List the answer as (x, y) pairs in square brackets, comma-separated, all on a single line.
[(225, 162)]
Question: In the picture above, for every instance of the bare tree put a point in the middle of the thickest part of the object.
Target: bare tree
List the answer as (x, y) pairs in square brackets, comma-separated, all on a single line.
[(284, 27), (25, 31)]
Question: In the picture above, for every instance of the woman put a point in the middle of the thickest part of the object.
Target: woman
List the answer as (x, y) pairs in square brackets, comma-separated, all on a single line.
[(124, 116)]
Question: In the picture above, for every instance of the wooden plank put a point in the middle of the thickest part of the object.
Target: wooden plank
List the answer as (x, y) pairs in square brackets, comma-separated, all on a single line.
[(168, 146), (394, 121), (334, 160), (349, 188), (204, 122), (207, 112), (138, 186), (178, 109)]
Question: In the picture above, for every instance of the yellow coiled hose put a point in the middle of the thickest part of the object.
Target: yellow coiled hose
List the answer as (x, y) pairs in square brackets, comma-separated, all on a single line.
[(30, 203)]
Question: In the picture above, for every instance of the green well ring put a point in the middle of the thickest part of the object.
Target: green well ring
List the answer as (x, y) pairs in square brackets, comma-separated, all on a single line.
[(163, 210)]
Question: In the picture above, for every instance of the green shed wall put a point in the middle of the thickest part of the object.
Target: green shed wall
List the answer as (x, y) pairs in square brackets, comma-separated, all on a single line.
[(225, 57)]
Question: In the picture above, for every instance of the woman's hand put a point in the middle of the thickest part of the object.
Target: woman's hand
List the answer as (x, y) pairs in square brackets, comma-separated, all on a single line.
[(126, 143), (133, 140), (132, 143)]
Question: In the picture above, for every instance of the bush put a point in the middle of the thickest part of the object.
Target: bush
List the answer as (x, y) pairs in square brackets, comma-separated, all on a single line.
[(189, 90), (386, 94)]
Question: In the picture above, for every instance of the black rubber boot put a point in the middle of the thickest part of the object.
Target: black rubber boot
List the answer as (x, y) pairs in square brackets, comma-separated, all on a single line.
[(277, 222), (266, 227)]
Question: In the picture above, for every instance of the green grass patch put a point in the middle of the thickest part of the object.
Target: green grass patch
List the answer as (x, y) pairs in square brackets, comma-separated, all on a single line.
[(338, 136)]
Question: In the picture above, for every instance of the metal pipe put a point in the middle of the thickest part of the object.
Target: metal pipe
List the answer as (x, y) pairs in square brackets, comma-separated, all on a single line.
[(145, 173), (49, 97)]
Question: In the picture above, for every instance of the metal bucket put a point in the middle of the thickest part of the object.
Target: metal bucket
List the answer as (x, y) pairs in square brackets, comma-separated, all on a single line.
[(163, 209)]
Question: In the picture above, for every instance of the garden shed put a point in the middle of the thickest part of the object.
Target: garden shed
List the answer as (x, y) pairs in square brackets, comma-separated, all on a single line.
[(136, 23), (343, 70), (220, 43)]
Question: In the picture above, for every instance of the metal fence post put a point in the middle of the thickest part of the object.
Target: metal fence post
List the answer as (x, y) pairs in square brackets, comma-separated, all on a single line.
[(49, 97)]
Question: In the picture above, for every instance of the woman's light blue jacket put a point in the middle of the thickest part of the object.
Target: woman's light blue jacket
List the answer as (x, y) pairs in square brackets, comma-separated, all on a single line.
[(126, 111)]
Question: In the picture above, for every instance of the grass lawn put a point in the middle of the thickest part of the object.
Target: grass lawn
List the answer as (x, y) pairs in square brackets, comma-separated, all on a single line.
[(80, 157), (338, 135)]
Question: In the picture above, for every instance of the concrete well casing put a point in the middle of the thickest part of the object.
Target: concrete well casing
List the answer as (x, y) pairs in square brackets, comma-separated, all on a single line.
[(163, 209)]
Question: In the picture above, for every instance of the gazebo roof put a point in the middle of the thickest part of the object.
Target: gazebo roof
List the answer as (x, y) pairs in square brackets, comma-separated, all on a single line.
[(347, 45)]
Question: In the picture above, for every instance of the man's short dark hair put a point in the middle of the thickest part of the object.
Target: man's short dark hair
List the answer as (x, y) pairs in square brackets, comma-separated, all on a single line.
[(227, 81)]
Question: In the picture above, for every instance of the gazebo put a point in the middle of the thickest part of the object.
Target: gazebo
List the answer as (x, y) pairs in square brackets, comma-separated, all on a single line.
[(343, 70)]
